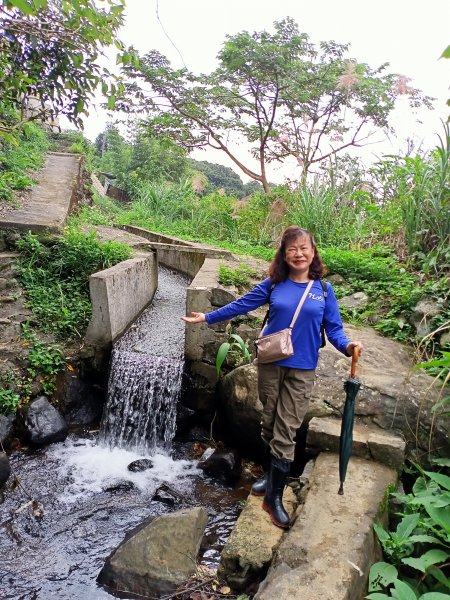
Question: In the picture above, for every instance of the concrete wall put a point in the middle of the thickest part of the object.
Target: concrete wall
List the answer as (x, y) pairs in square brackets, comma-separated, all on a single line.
[(176, 254), (118, 296), (153, 236)]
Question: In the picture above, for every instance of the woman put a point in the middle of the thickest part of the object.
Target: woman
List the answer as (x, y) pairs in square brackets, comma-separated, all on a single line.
[(285, 386)]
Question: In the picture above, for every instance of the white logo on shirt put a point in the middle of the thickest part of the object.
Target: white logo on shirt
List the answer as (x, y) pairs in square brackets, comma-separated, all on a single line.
[(319, 297)]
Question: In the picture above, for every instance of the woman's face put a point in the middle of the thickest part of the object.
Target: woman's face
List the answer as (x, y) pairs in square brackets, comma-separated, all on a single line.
[(299, 254)]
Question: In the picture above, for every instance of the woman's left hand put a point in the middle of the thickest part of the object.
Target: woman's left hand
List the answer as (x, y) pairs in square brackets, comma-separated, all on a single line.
[(352, 346)]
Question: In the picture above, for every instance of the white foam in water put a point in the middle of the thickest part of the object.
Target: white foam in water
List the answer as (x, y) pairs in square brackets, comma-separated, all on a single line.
[(92, 468)]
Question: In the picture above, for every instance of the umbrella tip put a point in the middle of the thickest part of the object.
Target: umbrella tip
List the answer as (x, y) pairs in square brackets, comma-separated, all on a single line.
[(341, 490)]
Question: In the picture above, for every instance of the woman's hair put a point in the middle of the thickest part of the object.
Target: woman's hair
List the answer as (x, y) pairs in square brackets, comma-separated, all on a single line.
[(279, 270)]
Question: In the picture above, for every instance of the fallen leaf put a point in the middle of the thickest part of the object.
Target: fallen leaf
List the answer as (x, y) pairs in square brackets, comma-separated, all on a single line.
[(37, 509), (225, 590)]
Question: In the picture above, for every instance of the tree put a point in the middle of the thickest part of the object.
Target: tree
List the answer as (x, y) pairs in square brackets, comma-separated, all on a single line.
[(49, 52), (146, 159), (113, 154), (277, 91), (156, 159)]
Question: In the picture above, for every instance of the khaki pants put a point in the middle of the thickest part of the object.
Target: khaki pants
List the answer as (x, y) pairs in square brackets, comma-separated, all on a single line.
[(285, 395)]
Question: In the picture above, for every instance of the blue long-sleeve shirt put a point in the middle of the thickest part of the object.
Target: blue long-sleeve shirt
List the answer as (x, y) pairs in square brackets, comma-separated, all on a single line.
[(284, 299)]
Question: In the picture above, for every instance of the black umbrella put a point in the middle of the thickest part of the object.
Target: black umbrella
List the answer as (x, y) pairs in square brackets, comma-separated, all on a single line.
[(351, 387)]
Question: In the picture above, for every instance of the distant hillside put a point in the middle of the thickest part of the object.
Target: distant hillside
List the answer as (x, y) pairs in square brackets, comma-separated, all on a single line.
[(225, 178)]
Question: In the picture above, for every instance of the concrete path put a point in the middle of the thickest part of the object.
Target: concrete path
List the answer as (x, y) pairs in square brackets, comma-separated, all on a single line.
[(47, 206)]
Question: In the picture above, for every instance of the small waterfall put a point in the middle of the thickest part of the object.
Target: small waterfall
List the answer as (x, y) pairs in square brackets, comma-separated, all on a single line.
[(142, 396), (146, 372)]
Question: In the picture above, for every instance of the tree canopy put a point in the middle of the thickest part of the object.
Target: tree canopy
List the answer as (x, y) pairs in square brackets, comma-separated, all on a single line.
[(145, 159), (50, 51), (282, 94)]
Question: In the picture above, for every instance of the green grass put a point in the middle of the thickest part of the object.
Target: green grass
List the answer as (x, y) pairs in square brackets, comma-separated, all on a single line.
[(19, 159), (55, 274)]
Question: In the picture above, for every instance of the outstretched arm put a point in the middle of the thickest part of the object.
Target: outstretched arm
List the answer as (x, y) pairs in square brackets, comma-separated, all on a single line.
[(197, 317)]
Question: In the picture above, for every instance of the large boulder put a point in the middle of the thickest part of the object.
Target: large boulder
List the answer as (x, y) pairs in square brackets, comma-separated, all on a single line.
[(158, 556), (6, 429), (393, 396), (241, 407), (43, 423)]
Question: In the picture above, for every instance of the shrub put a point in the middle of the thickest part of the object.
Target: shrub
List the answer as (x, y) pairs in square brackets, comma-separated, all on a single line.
[(240, 276), (418, 549), (9, 401)]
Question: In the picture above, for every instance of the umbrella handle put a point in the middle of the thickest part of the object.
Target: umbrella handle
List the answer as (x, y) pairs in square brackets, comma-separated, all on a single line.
[(355, 357)]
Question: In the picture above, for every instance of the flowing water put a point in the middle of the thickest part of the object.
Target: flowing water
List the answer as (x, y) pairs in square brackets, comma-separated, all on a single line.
[(85, 497), (146, 373)]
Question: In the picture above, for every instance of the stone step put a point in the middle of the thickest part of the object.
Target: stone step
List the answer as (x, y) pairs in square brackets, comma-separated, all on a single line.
[(8, 263), (7, 283), (369, 441), (7, 298), (328, 552), (250, 547)]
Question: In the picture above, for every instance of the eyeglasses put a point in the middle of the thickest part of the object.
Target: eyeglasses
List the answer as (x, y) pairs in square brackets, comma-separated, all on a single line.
[(293, 250)]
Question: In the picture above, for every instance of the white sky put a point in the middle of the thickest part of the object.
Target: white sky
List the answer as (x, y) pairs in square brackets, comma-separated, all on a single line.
[(409, 34)]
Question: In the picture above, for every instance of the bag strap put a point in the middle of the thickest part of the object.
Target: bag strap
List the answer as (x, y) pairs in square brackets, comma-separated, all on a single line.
[(297, 310), (322, 326), (300, 304)]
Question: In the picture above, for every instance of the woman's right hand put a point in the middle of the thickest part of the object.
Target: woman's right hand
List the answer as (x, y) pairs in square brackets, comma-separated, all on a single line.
[(197, 317)]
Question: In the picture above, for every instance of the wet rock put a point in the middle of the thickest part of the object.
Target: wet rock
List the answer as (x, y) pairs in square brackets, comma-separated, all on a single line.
[(143, 464), (158, 556), (225, 466), (43, 423), (120, 485), (6, 429), (197, 434), (166, 496), (184, 420), (81, 402), (5, 468)]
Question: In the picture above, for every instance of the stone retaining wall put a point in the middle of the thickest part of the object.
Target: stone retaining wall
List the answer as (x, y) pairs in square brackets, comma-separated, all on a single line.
[(201, 342)]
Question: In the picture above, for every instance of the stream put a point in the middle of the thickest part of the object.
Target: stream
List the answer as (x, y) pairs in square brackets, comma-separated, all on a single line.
[(85, 497)]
